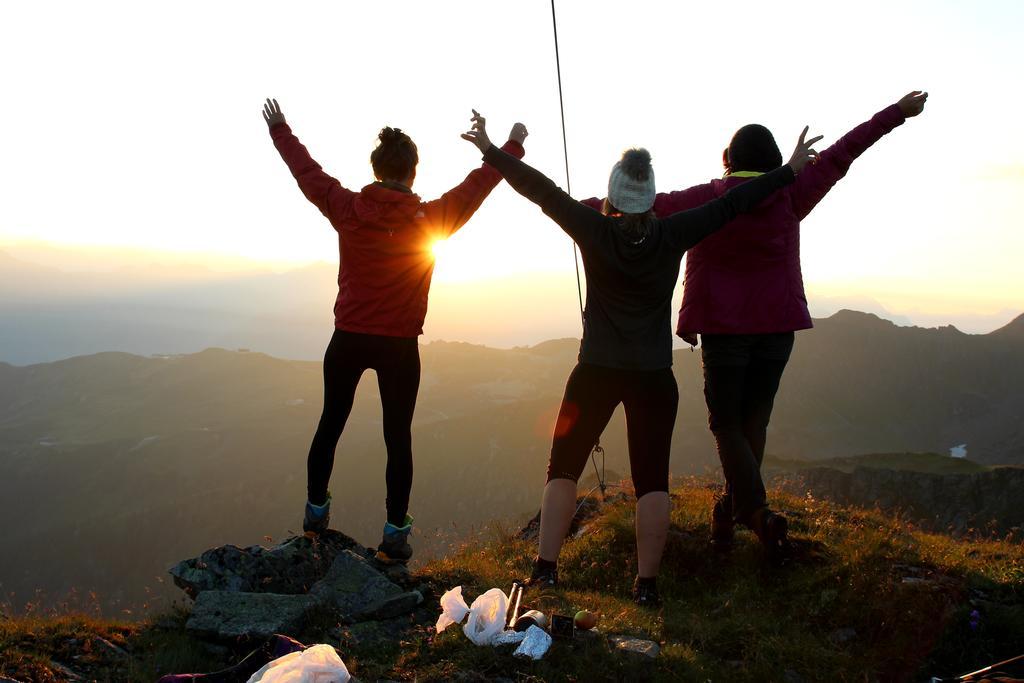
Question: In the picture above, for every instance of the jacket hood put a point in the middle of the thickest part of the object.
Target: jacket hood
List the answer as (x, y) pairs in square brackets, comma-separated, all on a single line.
[(379, 206)]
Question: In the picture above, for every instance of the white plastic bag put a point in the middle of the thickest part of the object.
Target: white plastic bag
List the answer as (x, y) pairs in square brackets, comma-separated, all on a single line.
[(317, 664), (486, 617), (453, 609)]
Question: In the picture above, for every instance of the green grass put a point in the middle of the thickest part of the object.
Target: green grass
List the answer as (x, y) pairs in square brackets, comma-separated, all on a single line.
[(733, 617)]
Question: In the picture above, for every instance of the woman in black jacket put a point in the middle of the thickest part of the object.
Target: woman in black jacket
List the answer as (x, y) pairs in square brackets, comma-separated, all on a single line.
[(631, 260)]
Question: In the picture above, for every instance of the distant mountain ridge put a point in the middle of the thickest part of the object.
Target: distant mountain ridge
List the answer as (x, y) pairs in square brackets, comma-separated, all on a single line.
[(170, 455), (47, 313)]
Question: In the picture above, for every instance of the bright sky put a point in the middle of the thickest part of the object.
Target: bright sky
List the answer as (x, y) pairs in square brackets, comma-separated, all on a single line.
[(137, 125)]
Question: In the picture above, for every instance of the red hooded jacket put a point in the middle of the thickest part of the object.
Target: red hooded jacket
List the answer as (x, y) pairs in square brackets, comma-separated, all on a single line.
[(385, 238), (746, 278)]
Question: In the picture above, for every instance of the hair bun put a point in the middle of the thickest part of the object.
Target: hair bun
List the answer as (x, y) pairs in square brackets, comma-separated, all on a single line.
[(389, 134), (636, 163)]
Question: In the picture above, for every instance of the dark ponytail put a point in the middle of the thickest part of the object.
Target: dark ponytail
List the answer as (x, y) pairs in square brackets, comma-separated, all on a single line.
[(395, 156), (635, 226)]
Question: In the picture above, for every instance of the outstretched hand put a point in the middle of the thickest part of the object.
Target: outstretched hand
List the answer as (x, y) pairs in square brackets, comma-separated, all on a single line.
[(272, 113), (478, 133), (804, 152), (912, 103)]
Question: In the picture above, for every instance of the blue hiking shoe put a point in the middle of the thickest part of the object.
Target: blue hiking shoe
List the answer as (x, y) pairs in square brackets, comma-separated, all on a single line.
[(394, 546), (317, 517)]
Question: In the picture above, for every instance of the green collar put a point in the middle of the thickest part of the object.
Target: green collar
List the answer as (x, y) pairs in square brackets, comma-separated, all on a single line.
[(743, 174)]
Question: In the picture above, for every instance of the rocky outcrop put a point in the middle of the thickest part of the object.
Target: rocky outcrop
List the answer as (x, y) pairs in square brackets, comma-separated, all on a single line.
[(289, 568), (257, 592), (225, 614), (987, 503)]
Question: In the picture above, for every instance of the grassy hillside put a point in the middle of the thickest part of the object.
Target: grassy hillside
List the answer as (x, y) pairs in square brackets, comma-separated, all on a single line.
[(932, 463), (865, 597)]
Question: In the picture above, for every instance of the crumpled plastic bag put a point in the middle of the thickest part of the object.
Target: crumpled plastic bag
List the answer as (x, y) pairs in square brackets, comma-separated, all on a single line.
[(486, 617), (535, 645), (486, 614), (316, 664), (453, 609)]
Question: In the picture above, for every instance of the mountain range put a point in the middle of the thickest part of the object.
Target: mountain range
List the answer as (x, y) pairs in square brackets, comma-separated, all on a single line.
[(113, 465)]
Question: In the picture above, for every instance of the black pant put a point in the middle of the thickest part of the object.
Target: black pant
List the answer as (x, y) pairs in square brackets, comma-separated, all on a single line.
[(650, 399), (741, 378), (397, 362)]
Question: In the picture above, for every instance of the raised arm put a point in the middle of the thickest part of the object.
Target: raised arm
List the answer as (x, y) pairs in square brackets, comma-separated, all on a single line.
[(325, 192), (451, 210), (572, 216), (687, 228), (812, 185), (668, 203)]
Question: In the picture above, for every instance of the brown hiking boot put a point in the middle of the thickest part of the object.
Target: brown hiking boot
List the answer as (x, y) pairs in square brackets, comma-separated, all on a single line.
[(544, 575), (771, 529)]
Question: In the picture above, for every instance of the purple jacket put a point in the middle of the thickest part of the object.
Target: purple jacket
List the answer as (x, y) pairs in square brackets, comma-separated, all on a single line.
[(746, 278)]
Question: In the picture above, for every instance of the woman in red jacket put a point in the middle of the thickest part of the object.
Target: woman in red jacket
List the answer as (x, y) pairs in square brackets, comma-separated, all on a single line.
[(385, 237), (743, 293)]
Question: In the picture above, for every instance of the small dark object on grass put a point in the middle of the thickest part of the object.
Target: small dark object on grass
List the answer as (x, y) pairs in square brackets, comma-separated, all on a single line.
[(562, 626)]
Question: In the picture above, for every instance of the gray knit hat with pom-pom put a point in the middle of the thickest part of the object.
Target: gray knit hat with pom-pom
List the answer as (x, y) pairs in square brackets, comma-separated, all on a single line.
[(631, 183)]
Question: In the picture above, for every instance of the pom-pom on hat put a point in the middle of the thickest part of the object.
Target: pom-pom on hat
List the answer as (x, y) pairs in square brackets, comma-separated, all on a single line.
[(631, 183)]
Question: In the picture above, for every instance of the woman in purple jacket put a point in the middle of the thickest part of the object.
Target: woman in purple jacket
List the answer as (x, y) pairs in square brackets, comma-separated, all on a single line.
[(743, 293)]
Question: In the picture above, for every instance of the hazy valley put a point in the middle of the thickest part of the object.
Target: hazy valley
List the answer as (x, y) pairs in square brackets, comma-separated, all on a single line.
[(113, 466)]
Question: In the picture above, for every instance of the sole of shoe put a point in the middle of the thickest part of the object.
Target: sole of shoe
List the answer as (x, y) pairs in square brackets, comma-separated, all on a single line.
[(384, 558)]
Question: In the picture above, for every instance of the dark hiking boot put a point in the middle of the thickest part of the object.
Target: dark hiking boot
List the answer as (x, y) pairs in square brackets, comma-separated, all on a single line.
[(772, 530), (722, 525), (317, 517), (544, 574), (394, 546), (645, 592)]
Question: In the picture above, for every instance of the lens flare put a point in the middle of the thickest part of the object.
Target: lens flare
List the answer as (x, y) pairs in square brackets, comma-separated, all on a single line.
[(439, 248)]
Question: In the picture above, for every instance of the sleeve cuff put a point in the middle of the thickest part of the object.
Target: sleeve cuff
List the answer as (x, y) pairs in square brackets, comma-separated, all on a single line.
[(279, 129), (513, 148), (492, 152), (892, 116)]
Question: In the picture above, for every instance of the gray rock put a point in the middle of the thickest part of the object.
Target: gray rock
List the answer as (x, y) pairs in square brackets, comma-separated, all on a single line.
[(635, 646), (229, 614), (290, 567), (353, 587), (394, 571), (104, 645), (394, 606), (67, 672)]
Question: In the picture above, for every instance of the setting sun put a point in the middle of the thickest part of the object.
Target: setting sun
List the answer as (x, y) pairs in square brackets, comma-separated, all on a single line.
[(439, 248)]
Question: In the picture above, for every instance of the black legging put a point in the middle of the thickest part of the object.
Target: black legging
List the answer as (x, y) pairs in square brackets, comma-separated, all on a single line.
[(397, 362), (650, 399), (741, 377)]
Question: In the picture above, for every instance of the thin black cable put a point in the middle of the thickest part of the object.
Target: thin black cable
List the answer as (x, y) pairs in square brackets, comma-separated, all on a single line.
[(565, 152), (575, 253)]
